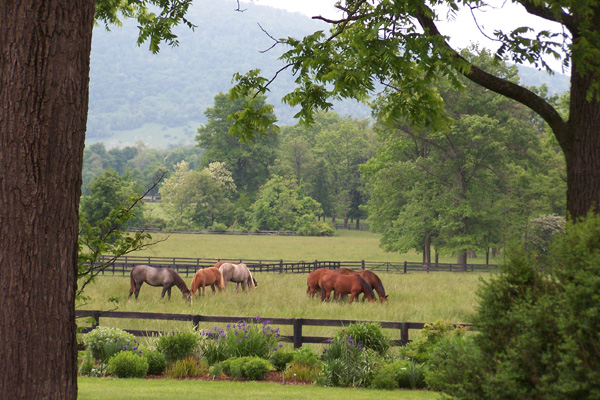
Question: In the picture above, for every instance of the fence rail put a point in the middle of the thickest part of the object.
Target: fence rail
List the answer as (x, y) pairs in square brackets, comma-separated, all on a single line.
[(187, 266), (297, 324)]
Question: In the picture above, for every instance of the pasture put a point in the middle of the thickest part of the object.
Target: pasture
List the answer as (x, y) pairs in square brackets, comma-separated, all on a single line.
[(346, 245), (414, 297)]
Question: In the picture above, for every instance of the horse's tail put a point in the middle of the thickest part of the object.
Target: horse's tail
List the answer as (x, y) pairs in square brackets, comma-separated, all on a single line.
[(132, 289), (221, 280), (252, 281), (367, 290)]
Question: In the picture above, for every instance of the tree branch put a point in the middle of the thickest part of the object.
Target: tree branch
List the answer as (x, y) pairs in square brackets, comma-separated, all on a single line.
[(504, 87), (547, 13)]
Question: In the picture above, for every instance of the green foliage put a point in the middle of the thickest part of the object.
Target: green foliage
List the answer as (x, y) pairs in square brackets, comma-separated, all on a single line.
[(128, 364), (281, 206), (240, 340), (157, 362), (187, 367), (104, 338), (178, 345), (256, 368), (88, 363), (215, 370), (420, 350), (305, 356), (281, 358), (537, 324), (541, 232), (368, 335), (347, 363), (251, 367), (297, 372), (402, 374)]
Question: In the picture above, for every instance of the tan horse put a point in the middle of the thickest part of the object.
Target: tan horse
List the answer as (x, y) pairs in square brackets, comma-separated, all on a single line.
[(350, 284), (371, 278), (207, 277), (313, 279), (238, 273)]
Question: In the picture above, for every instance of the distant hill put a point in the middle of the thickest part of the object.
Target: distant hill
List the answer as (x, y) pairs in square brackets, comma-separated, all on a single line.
[(161, 98)]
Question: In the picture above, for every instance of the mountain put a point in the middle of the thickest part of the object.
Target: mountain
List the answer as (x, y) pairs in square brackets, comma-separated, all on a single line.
[(161, 98)]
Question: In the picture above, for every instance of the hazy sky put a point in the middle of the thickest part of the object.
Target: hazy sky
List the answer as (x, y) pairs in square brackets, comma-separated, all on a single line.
[(462, 31)]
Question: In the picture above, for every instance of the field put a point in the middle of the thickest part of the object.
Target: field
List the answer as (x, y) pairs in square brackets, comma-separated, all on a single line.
[(413, 297), (346, 245)]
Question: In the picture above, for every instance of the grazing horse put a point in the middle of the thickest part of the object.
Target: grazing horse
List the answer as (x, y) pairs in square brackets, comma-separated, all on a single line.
[(238, 273), (371, 278), (345, 284), (313, 279), (165, 277), (207, 277)]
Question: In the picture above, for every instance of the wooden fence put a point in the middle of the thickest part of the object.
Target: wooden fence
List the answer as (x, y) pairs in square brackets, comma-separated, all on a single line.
[(188, 266), (403, 328)]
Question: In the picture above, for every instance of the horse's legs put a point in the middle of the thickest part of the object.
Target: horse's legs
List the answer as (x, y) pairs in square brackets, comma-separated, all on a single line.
[(352, 296), (137, 290), (244, 286)]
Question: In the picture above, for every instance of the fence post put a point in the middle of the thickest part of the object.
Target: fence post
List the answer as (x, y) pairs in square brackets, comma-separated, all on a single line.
[(405, 266), (281, 266), (196, 321), (297, 324), (403, 333), (96, 319), (362, 264)]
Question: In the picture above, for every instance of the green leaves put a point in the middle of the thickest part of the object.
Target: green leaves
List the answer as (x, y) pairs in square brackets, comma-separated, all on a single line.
[(155, 26)]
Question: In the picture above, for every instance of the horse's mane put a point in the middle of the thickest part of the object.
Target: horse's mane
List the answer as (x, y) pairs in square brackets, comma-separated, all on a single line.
[(195, 283), (180, 282), (366, 286)]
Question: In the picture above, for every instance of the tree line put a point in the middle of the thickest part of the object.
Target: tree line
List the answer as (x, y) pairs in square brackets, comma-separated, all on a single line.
[(494, 174)]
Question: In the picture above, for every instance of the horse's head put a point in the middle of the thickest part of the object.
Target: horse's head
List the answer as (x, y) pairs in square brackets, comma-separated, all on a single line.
[(255, 283), (384, 298)]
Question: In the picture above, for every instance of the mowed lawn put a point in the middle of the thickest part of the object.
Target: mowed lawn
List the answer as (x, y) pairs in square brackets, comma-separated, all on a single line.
[(169, 389)]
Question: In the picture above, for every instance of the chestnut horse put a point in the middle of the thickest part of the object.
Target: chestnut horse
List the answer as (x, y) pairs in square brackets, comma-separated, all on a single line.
[(313, 279), (207, 277), (371, 278), (153, 276), (345, 284)]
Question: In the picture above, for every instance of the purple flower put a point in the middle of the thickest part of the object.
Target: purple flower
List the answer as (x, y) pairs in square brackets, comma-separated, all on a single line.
[(239, 340), (141, 352), (328, 341), (258, 318), (246, 336), (280, 345), (236, 331), (124, 347)]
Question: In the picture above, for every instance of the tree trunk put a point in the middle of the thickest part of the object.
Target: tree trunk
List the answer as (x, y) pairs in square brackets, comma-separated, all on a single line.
[(582, 148), (427, 250), (462, 259), (45, 50), (346, 222), (357, 224)]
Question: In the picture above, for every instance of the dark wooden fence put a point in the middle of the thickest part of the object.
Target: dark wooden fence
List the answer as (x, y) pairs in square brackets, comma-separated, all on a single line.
[(189, 266), (403, 328)]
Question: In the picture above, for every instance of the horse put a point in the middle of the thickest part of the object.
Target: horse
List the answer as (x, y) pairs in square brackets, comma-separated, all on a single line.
[(238, 273), (207, 277), (165, 277), (313, 279), (352, 284), (371, 278)]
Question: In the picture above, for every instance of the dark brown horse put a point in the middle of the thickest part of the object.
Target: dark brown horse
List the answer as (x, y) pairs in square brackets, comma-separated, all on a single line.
[(371, 278), (351, 284), (207, 277), (313, 279), (165, 277)]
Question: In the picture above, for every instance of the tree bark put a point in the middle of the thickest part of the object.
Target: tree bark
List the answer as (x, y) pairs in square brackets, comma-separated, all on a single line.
[(45, 50)]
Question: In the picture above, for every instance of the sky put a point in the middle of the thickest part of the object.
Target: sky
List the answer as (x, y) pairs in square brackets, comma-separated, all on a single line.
[(462, 31)]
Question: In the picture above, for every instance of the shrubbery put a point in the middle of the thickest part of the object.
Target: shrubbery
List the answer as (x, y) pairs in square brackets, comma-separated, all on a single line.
[(178, 346), (104, 341), (240, 340), (186, 368), (127, 364)]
